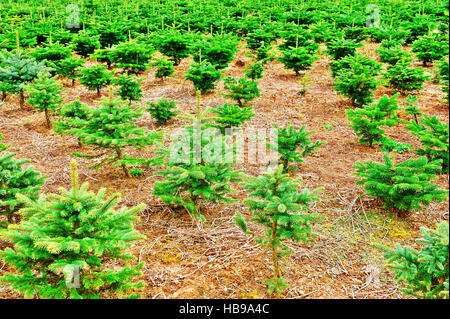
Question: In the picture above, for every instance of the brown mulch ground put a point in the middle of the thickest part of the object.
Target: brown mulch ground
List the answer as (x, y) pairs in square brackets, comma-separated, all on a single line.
[(215, 260)]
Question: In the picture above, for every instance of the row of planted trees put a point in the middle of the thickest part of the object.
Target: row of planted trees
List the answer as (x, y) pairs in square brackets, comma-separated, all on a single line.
[(49, 224)]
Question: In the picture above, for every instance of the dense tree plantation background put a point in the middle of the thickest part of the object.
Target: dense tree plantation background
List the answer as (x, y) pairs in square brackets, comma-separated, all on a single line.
[(347, 102)]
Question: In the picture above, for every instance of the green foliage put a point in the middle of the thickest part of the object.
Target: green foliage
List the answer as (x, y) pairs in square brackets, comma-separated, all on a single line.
[(425, 272), (217, 51), (111, 129), (293, 145), (259, 38), (131, 56), (162, 111), (69, 67), (389, 145), (255, 71), (295, 37), (44, 94), (429, 48), (198, 167), (129, 87), (393, 54), (203, 75), (444, 76), (276, 203), (434, 137), (404, 186), (51, 53), (96, 77), (164, 68), (71, 115), (340, 48), (174, 45), (367, 121), (346, 63), (74, 229), (229, 116), (242, 91), (104, 56), (357, 82), (403, 78), (85, 44), (264, 54), (412, 107), (16, 179), (16, 70), (189, 179), (298, 59)]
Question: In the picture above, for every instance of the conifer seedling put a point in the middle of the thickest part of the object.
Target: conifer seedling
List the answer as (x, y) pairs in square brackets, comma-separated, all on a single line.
[(111, 129), (229, 116), (198, 167), (129, 87), (276, 202), (357, 82), (163, 110), (95, 78), (164, 68), (73, 115), (434, 137), (203, 75), (403, 187), (429, 48), (63, 247), (16, 178), (17, 70), (294, 145), (242, 91), (44, 94), (69, 67), (367, 121), (404, 78), (424, 272)]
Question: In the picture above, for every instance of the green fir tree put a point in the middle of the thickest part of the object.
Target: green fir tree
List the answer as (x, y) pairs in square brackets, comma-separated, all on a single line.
[(403, 187), (15, 178), (62, 249), (44, 94), (277, 204), (424, 272)]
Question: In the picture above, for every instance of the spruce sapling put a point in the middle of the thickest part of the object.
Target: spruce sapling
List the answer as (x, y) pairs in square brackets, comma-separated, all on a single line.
[(71, 238), (44, 94), (276, 202)]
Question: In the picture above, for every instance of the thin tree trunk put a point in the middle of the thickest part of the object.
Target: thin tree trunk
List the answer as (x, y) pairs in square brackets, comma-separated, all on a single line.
[(47, 119), (124, 167), (276, 266)]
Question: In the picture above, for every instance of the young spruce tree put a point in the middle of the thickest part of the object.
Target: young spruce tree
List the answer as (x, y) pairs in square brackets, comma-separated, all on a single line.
[(111, 129), (62, 248), (293, 145), (425, 273), (404, 186), (16, 179), (242, 91), (367, 121), (71, 115), (276, 203), (434, 136), (198, 167), (95, 78), (45, 95)]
